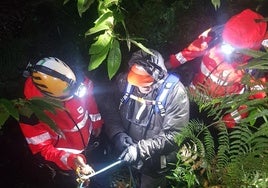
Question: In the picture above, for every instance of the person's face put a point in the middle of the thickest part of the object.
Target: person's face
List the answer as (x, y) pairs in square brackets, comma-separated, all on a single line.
[(145, 89)]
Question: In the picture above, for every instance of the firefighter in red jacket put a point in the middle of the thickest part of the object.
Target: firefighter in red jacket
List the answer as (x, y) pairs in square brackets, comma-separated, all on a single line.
[(219, 72), (52, 78)]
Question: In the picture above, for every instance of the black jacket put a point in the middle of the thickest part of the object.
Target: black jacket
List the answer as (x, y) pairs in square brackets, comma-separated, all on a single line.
[(153, 133)]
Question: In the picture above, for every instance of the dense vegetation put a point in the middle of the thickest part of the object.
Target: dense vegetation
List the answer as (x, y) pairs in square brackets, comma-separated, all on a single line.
[(72, 31)]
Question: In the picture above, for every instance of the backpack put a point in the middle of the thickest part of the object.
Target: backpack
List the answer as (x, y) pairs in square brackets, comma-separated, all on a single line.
[(160, 101)]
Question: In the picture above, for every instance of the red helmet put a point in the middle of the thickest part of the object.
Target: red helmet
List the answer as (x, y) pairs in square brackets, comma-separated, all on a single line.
[(244, 30)]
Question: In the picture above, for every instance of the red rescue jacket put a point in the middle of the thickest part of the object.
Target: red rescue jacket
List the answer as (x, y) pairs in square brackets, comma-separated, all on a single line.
[(75, 124), (220, 78)]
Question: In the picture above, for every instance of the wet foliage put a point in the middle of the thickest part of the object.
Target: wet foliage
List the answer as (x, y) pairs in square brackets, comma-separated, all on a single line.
[(33, 29)]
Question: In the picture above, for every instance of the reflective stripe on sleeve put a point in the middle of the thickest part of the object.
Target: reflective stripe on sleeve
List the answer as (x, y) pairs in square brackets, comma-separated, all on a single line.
[(75, 151), (180, 58), (80, 124), (215, 79), (35, 140), (237, 117), (95, 117)]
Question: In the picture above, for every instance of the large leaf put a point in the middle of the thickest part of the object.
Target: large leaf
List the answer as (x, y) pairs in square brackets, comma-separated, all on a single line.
[(108, 3), (4, 115), (10, 108), (114, 58), (99, 51), (141, 46), (65, 1), (83, 5), (42, 116), (38, 106), (23, 107), (118, 16), (216, 3), (101, 44), (127, 35), (104, 22), (97, 59), (47, 104)]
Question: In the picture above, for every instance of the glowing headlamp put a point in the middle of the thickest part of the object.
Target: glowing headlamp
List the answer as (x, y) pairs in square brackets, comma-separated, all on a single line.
[(265, 43), (81, 90), (227, 48)]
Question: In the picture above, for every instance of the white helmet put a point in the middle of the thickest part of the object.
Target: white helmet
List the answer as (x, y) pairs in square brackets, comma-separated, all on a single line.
[(54, 78)]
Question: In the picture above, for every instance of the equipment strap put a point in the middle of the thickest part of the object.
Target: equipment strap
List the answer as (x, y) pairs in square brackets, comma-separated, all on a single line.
[(160, 101)]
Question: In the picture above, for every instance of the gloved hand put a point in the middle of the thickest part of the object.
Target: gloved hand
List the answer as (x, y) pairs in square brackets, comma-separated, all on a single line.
[(130, 154), (82, 170), (81, 167), (122, 141)]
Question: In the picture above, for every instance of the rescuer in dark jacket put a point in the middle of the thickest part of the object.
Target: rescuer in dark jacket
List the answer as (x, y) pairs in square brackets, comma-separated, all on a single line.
[(140, 129)]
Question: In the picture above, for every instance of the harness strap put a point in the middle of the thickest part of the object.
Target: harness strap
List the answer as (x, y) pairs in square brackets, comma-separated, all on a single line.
[(160, 101), (169, 83), (124, 99)]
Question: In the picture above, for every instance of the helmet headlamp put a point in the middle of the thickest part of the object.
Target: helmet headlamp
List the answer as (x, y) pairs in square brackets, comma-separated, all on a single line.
[(81, 90), (227, 49)]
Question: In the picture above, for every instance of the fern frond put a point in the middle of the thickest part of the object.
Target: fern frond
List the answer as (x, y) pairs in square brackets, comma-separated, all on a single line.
[(223, 149), (239, 141), (197, 149)]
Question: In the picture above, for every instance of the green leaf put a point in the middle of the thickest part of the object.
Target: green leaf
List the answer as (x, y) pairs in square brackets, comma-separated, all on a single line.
[(105, 17), (127, 35), (83, 5), (101, 44), (104, 22), (65, 1), (260, 62), (99, 51), (47, 104), (114, 59), (97, 59), (108, 3), (140, 45), (4, 115), (252, 53), (42, 116), (26, 110), (10, 108), (216, 3), (96, 29)]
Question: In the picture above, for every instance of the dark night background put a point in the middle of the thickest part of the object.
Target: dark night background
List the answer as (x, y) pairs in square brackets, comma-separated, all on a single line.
[(33, 29)]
